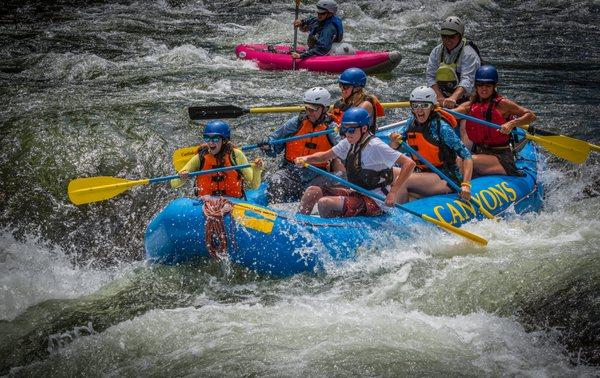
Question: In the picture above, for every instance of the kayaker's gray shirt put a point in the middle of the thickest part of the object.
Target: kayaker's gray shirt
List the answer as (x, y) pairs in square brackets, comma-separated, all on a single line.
[(466, 67)]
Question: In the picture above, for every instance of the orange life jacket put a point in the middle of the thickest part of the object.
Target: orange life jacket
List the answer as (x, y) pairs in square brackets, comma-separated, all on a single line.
[(308, 146), (420, 138), (340, 106), (229, 183), (483, 135)]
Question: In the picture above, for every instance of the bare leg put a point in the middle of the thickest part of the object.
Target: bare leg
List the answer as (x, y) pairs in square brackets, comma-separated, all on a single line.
[(330, 207), (337, 166), (423, 183), (310, 197), (487, 165)]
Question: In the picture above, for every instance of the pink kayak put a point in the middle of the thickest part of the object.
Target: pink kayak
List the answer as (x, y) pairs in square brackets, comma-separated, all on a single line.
[(277, 57)]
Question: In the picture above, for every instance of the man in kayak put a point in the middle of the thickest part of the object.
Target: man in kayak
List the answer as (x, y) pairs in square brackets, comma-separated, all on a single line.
[(288, 183), (493, 149), (369, 164), (433, 137), (217, 152), (452, 64), (323, 30), (352, 83)]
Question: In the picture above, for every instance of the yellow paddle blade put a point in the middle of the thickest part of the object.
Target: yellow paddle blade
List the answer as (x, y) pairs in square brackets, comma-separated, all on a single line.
[(94, 189), (182, 155), (448, 227), (574, 150)]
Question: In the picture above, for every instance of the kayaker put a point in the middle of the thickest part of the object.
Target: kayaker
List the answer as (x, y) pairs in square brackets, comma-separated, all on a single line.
[(289, 182), (323, 30), (352, 83), (430, 134), (493, 149), (369, 164), (452, 64), (216, 152)]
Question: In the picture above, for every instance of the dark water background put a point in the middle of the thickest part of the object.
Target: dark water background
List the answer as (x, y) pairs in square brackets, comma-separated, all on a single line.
[(94, 88)]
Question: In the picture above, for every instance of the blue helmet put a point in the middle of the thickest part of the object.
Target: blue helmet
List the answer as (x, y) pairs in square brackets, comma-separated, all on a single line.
[(218, 128), (486, 74), (353, 76), (356, 117)]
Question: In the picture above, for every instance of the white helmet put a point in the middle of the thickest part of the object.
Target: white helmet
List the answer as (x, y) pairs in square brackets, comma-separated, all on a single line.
[(317, 96), (328, 5), (452, 25), (423, 94)]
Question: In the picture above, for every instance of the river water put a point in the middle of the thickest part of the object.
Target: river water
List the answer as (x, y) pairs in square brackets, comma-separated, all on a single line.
[(97, 88)]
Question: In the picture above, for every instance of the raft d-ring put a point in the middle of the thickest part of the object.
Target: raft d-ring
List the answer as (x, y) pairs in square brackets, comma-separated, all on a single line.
[(242, 54)]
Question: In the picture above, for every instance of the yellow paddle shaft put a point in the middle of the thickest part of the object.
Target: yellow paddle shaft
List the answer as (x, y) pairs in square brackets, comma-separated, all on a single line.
[(447, 226), (292, 109)]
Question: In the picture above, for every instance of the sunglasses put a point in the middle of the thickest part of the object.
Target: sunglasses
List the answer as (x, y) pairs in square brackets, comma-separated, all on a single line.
[(349, 130), (420, 105), (450, 36), (213, 139), (345, 86), (311, 110)]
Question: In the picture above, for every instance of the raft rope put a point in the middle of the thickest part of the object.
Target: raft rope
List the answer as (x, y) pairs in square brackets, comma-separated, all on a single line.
[(215, 235)]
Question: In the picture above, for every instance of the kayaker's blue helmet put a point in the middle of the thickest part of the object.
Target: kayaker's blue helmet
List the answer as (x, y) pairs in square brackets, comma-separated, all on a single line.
[(353, 76), (355, 117), (486, 74), (217, 128)]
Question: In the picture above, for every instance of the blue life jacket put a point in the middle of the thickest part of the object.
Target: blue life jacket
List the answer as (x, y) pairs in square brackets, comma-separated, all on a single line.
[(337, 23)]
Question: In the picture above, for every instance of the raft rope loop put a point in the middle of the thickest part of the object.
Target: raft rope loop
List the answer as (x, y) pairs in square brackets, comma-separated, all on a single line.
[(215, 235)]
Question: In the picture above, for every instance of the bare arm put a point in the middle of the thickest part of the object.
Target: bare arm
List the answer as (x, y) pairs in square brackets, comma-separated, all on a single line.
[(463, 108), (509, 108), (408, 166), (465, 186), (317, 157)]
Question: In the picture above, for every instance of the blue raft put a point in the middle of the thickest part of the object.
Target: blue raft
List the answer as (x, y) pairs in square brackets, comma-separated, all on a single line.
[(281, 244)]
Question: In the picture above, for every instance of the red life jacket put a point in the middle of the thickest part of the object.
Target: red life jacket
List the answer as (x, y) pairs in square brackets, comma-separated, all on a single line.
[(229, 183), (483, 135), (308, 146)]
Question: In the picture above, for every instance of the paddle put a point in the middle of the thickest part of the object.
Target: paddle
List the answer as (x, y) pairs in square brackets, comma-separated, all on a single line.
[(94, 189), (232, 111), (182, 155), (295, 34), (574, 150), (450, 182), (534, 130), (444, 225)]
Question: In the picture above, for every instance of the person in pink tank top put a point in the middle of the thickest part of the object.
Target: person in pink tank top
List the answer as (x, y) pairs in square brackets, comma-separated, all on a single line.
[(493, 149)]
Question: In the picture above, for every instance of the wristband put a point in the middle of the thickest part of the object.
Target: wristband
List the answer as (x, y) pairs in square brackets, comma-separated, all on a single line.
[(465, 184)]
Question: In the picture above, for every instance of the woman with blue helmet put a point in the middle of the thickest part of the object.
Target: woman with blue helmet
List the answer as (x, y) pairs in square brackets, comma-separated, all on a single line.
[(493, 149), (352, 83), (216, 152), (369, 164)]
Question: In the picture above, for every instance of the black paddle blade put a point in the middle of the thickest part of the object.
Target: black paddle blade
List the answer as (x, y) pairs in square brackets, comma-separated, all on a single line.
[(218, 111)]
